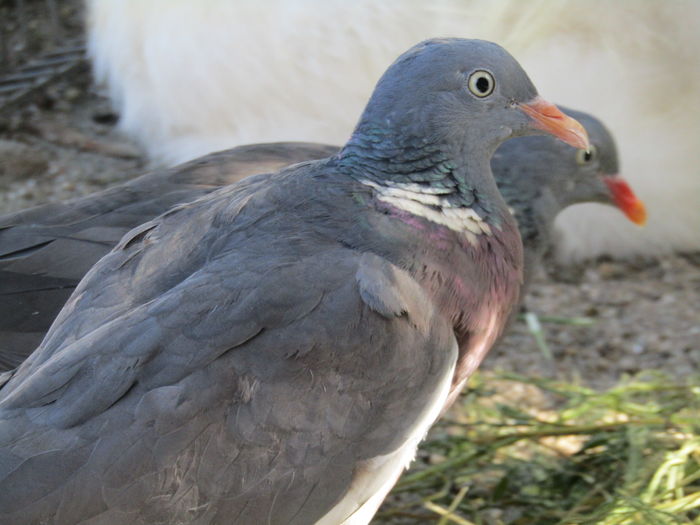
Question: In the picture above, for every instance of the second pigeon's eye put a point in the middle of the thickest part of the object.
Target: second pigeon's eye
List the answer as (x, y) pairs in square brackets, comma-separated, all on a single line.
[(481, 83), (586, 157)]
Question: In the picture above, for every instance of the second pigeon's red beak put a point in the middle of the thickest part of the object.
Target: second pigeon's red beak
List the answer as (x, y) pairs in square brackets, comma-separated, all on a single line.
[(547, 117), (625, 199)]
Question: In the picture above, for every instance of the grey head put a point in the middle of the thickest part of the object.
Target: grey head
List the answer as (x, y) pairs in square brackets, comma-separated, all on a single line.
[(550, 176), (464, 98), (539, 177)]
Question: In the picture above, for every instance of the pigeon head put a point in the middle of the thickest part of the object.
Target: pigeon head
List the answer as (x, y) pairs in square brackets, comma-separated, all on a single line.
[(596, 176), (563, 176), (470, 95)]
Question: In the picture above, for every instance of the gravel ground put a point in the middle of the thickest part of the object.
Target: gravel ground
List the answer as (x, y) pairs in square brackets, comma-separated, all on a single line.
[(643, 314), (62, 145)]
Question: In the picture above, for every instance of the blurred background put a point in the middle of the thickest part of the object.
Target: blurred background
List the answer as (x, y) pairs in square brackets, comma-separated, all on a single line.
[(93, 93)]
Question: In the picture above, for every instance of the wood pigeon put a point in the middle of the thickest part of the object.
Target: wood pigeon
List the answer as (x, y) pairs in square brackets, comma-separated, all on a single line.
[(274, 351), (539, 177), (45, 251)]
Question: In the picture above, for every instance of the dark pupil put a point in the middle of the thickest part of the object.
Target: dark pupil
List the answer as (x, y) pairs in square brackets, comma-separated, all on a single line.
[(587, 156), (482, 84)]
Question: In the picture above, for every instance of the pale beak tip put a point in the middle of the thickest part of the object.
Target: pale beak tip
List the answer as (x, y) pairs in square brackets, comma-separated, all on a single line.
[(625, 199), (549, 118), (580, 136)]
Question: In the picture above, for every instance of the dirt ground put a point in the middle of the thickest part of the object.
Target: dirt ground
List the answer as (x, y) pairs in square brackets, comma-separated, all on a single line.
[(639, 314)]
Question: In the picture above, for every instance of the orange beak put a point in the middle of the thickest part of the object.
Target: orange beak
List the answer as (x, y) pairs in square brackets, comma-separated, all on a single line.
[(549, 118), (625, 199)]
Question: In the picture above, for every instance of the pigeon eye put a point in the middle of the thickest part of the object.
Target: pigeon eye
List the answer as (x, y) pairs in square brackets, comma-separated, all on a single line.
[(584, 157), (481, 83)]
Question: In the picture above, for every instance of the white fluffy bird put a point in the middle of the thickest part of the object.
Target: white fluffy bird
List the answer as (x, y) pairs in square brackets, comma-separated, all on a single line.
[(190, 77)]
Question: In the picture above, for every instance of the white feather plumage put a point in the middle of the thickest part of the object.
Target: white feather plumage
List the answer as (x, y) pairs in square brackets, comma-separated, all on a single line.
[(189, 77)]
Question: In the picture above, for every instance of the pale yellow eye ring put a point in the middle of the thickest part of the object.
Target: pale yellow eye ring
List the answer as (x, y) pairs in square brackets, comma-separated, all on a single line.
[(481, 83), (584, 157)]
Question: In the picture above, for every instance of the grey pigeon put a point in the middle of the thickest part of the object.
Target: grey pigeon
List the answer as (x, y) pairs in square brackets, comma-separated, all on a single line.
[(274, 351), (539, 177), (45, 251)]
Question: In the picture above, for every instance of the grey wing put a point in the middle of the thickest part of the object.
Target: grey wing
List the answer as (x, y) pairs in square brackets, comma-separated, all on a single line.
[(45, 251), (247, 393)]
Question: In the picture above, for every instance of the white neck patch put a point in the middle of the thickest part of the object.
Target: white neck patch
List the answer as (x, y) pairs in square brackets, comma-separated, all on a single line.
[(420, 200)]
